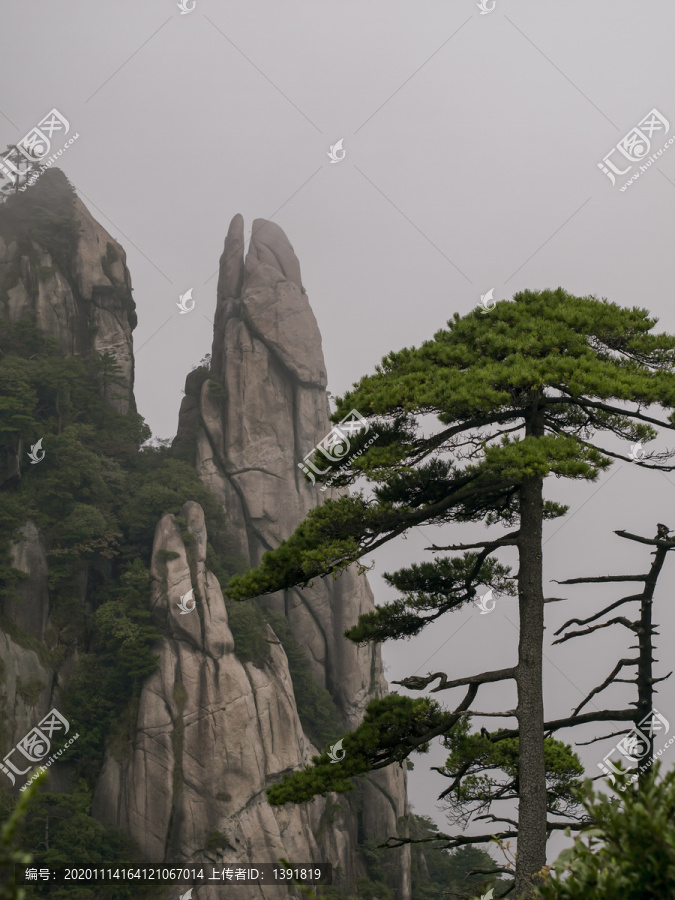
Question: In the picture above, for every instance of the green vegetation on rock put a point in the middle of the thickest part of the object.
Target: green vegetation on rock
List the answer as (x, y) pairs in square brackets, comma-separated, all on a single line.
[(629, 849)]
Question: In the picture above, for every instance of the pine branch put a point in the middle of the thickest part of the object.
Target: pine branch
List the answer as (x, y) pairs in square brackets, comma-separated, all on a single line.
[(448, 722), (605, 407), (507, 540), (562, 431), (418, 683)]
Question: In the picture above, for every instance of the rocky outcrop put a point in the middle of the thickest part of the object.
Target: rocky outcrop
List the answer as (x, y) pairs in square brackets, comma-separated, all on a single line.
[(61, 271), (212, 735), (72, 281), (29, 607)]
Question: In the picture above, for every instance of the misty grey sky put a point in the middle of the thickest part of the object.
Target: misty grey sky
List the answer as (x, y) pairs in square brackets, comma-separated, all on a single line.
[(472, 143)]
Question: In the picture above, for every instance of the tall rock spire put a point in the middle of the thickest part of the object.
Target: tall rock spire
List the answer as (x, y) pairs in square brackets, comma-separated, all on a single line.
[(262, 410), (246, 428)]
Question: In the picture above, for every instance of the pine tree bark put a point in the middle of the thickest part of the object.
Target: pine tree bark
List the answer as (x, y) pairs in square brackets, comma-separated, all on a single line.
[(529, 672)]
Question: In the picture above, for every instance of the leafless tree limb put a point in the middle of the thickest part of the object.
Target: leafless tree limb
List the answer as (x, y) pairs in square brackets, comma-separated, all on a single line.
[(603, 737), (617, 620), (600, 579), (601, 613), (654, 542), (601, 715), (491, 818), (457, 840)]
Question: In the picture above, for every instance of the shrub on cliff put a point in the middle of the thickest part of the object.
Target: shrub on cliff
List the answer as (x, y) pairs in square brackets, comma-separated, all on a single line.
[(628, 852)]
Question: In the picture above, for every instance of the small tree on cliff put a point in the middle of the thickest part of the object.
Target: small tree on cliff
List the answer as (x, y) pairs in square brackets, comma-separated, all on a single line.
[(519, 394), (15, 170)]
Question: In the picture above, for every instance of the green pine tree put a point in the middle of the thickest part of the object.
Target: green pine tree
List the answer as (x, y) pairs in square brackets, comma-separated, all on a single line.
[(523, 393)]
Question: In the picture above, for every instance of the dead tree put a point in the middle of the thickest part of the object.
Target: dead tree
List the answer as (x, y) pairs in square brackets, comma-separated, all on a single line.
[(644, 680), (642, 627)]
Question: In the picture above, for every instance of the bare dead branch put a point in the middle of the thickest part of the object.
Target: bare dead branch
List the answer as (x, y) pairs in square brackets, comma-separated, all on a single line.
[(573, 826), (602, 578), (502, 870), (617, 620), (615, 671), (492, 818), (603, 737), (601, 715), (601, 613), (654, 542), (457, 840)]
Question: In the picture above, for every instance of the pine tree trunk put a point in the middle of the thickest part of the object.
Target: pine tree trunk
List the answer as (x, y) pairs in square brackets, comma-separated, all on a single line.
[(531, 768)]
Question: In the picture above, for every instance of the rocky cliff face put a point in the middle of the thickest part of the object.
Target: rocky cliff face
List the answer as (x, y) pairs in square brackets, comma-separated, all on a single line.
[(213, 732), (77, 291), (73, 284)]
